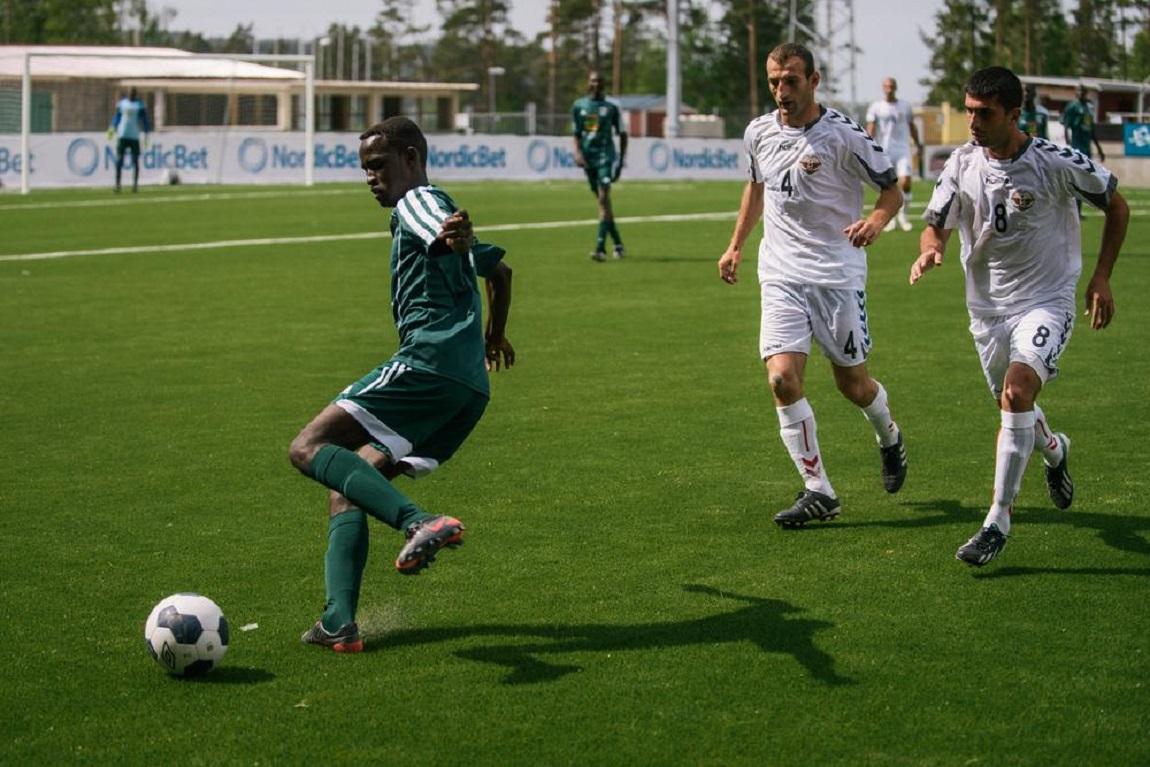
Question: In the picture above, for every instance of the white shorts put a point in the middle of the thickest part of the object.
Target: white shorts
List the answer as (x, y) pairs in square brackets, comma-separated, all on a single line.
[(1036, 338), (900, 159), (835, 317)]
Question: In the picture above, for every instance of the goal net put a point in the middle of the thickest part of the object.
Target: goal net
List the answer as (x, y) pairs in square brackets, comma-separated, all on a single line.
[(212, 118)]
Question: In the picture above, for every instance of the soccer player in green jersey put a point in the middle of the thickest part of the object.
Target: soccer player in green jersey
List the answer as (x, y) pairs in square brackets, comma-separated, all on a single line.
[(1078, 125), (595, 122), (412, 412)]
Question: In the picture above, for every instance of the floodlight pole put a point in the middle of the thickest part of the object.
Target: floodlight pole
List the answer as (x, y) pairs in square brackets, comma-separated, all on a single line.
[(309, 122), (674, 78), (25, 122)]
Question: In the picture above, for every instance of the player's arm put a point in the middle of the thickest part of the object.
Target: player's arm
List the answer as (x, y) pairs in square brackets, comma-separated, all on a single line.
[(914, 133), (1099, 299), (145, 123), (871, 128), (577, 132), (750, 211), (499, 351), (866, 230), (622, 155), (1101, 154), (931, 247)]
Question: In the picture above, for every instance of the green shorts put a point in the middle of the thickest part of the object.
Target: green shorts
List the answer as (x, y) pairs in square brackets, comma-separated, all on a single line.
[(600, 173), (420, 418)]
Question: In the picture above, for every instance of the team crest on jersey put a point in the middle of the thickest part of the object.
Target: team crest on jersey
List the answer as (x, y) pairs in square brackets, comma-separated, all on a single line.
[(1021, 199), (810, 163)]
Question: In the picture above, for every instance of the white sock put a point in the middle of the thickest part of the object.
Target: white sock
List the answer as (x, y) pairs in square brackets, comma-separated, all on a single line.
[(1045, 440), (878, 413), (1015, 443), (797, 429)]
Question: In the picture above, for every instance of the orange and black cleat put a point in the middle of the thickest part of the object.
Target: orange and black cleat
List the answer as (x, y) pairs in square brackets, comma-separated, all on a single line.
[(426, 538)]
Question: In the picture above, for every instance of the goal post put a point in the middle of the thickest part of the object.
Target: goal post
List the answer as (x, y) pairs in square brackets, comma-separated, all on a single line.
[(204, 99)]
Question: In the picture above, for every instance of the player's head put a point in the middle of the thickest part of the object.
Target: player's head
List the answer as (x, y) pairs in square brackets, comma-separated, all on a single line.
[(993, 104), (792, 79), (132, 95), (595, 84), (890, 88), (393, 154), (1081, 92)]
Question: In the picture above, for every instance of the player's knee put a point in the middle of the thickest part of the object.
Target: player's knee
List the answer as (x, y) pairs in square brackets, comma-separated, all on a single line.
[(1017, 398), (784, 385), (302, 451)]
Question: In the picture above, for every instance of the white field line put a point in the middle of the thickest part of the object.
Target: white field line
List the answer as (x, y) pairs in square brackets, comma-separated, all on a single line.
[(148, 199), (264, 241)]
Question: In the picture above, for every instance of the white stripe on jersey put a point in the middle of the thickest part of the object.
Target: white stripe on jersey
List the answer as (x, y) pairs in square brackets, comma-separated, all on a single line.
[(416, 219), (1017, 222)]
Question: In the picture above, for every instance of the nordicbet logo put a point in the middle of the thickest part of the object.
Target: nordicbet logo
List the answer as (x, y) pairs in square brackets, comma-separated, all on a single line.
[(661, 157), (542, 156), (83, 157), (10, 162), (253, 154), (482, 156)]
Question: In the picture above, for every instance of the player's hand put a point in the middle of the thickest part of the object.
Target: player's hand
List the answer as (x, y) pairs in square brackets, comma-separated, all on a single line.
[(144, 143), (729, 266), (111, 134), (1099, 302), (926, 261), (618, 170), (499, 351), (580, 160), (457, 232), (862, 232)]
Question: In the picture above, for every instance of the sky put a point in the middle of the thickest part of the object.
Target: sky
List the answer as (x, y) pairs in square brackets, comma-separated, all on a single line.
[(886, 31)]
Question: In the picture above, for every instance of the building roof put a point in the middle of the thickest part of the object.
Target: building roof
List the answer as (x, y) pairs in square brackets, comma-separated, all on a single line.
[(64, 62), (647, 102), (1091, 83)]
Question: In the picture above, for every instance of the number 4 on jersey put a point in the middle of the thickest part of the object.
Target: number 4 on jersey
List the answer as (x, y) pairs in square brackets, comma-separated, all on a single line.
[(786, 185)]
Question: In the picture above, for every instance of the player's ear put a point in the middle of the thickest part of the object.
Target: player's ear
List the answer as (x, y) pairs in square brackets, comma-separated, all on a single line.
[(815, 78)]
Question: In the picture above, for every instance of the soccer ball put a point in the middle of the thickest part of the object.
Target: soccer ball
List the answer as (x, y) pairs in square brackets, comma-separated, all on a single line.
[(187, 634)]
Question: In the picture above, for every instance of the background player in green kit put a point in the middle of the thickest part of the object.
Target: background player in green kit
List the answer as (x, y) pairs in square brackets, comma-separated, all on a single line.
[(595, 122), (421, 404)]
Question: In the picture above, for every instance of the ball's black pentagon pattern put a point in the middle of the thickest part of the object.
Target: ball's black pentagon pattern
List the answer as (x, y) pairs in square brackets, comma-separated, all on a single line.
[(223, 630), (185, 628), (152, 650)]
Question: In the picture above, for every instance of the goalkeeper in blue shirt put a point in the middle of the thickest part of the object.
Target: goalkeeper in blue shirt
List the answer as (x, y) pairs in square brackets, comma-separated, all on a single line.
[(129, 125)]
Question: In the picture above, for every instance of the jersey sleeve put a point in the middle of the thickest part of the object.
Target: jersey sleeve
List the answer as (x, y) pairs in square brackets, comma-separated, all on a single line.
[(485, 257), (422, 212), (944, 207), (618, 121), (867, 159), (870, 114), (754, 173), (576, 121), (1086, 179)]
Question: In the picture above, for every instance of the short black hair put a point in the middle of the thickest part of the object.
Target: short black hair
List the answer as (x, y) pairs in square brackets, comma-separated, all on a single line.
[(996, 83), (401, 133), (789, 50)]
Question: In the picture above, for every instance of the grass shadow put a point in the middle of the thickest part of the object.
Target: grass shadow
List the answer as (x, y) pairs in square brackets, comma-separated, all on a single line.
[(767, 623), (234, 675)]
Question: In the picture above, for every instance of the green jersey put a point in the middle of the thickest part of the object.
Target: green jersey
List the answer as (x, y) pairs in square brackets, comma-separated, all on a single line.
[(434, 298), (596, 122), (1078, 117)]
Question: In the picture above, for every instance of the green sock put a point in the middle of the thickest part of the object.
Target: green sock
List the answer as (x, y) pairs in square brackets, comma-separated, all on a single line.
[(343, 567), (359, 482), (601, 240), (614, 232)]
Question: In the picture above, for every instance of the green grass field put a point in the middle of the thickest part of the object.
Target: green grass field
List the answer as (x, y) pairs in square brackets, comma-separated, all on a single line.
[(623, 597)]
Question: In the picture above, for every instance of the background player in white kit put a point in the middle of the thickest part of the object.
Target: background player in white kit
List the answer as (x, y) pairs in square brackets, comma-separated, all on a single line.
[(890, 122), (808, 165), (1012, 199)]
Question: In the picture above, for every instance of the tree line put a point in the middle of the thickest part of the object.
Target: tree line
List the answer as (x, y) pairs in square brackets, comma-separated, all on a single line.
[(722, 44)]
